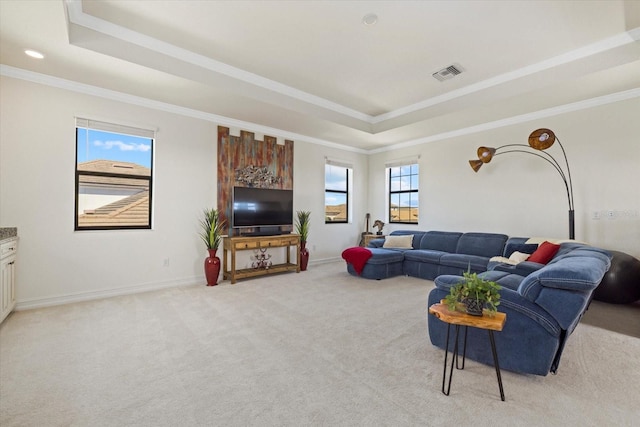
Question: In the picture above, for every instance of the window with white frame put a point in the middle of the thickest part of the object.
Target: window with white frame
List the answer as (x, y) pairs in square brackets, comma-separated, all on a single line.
[(113, 185), (403, 193), (337, 192)]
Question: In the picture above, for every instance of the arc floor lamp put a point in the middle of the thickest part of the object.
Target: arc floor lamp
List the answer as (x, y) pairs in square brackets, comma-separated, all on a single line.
[(539, 141)]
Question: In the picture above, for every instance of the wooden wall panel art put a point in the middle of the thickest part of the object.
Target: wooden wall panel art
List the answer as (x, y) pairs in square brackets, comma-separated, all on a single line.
[(244, 161)]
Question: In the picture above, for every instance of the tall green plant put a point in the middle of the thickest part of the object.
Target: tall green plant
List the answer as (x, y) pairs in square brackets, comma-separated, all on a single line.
[(302, 225), (212, 224)]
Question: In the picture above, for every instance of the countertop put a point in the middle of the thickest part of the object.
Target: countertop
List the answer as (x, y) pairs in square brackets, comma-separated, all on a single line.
[(8, 232)]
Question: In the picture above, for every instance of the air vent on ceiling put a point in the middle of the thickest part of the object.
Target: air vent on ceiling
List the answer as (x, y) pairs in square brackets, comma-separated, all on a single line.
[(448, 73)]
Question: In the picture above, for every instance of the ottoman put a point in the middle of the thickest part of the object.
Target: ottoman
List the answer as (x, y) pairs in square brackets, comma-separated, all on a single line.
[(383, 263)]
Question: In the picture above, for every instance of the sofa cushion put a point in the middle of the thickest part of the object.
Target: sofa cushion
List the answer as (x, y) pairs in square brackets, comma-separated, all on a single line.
[(520, 247), (523, 268), (445, 241), (545, 253), (417, 236), (465, 262), (424, 255), (399, 242), (384, 256), (481, 244), (505, 279)]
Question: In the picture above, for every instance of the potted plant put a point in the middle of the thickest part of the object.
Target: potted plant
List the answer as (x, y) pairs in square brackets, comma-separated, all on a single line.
[(302, 228), (211, 226), (474, 294)]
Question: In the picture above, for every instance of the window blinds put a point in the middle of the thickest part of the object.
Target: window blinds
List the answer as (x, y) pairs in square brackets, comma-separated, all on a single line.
[(115, 128)]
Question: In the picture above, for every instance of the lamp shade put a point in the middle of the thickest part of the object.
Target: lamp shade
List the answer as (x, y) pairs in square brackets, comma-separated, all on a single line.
[(475, 164), (485, 154), (541, 139)]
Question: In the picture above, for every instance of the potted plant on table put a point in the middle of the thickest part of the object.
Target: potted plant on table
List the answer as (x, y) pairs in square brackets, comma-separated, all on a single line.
[(302, 228), (473, 294), (211, 226)]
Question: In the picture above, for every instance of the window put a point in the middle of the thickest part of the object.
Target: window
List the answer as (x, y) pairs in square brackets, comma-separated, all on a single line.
[(113, 176), (336, 192), (403, 194)]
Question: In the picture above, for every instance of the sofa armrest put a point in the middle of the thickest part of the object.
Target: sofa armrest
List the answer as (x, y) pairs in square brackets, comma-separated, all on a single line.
[(564, 288), (508, 298)]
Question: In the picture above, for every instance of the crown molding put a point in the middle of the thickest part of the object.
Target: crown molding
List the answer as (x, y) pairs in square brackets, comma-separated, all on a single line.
[(47, 80), (18, 73), (522, 118)]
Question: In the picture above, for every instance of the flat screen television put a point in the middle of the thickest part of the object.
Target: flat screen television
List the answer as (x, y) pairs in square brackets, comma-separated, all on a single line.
[(263, 208)]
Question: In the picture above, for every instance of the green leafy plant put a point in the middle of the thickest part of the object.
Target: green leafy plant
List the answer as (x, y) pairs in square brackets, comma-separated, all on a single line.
[(211, 227), (302, 225), (474, 288)]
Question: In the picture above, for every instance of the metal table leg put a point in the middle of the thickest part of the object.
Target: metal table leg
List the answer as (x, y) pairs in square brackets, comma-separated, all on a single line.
[(454, 357), (495, 363)]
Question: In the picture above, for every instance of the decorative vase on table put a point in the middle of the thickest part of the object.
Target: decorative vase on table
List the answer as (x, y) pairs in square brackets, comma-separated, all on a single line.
[(212, 268), (473, 306), (304, 256)]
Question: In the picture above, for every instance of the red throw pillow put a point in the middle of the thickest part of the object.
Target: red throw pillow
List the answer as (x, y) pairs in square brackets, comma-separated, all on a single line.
[(545, 253)]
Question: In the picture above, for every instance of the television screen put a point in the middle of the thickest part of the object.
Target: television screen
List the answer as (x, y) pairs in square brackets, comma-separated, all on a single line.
[(262, 207)]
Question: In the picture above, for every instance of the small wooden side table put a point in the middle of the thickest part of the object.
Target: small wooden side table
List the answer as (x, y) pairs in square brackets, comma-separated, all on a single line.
[(370, 237), (457, 318)]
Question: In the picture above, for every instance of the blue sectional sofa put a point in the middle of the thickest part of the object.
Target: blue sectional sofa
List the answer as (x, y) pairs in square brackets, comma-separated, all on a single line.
[(543, 302), (433, 253), (543, 308)]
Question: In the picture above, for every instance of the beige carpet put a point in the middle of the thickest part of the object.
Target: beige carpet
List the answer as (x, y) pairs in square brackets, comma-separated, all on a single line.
[(318, 348)]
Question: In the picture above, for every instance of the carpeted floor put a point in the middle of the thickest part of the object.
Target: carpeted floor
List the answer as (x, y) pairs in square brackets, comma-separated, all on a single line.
[(319, 348)]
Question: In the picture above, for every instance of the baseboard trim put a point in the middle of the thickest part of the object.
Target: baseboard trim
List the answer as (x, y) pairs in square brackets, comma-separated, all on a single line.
[(324, 260), (107, 293), (136, 289)]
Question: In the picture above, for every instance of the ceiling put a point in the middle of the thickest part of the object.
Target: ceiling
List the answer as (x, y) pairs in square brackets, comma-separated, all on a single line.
[(314, 70)]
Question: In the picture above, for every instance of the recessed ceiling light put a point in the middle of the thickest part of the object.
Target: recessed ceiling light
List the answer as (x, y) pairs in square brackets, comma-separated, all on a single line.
[(34, 54), (370, 19)]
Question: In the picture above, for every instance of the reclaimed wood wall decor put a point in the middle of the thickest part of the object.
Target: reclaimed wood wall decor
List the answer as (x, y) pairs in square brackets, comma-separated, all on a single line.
[(244, 161)]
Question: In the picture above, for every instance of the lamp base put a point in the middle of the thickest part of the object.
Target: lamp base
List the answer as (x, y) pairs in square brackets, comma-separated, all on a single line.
[(572, 225)]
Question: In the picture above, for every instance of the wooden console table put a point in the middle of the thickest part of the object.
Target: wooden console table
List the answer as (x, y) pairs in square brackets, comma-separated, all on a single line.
[(250, 243)]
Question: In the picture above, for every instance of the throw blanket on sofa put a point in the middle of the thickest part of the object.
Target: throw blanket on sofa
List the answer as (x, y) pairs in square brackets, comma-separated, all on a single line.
[(357, 257)]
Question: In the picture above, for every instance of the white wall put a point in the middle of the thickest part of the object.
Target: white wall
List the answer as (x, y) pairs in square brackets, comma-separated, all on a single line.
[(327, 241), (37, 196), (517, 195), (521, 195), (56, 264)]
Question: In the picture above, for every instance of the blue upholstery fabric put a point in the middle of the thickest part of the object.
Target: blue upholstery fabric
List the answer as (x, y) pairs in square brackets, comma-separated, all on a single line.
[(523, 345), (427, 258), (424, 256), (445, 241), (542, 309), (384, 263), (523, 268), (464, 262), (525, 248), (543, 303), (481, 244)]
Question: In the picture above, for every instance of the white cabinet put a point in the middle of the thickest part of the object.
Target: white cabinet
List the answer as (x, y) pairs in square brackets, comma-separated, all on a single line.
[(8, 252)]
